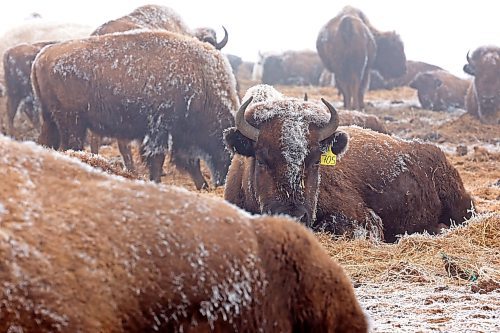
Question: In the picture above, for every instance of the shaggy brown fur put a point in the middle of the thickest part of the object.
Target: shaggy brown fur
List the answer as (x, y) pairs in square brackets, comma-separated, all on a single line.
[(347, 48), (440, 90), (390, 60), (17, 62), (351, 47), (82, 251), (483, 97), (370, 121), (381, 186), (119, 85), (413, 68), (384, 186), (159, 17)]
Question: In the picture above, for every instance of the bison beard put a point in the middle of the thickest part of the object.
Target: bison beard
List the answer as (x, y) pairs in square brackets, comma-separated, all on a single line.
[(120, 86), (159, 259), (380, 188)]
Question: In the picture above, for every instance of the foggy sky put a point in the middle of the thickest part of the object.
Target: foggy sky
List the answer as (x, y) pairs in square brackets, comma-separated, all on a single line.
[(438, 32)]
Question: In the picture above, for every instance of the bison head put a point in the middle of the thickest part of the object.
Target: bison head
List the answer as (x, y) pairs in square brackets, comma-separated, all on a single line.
[(484, 65), (283, 140), (427, 86), (208, 35), (390, 60)]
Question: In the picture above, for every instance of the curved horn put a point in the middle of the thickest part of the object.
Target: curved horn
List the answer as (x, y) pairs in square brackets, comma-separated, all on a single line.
[(243, 126), (468, 57), (332, 125), (223, 42)]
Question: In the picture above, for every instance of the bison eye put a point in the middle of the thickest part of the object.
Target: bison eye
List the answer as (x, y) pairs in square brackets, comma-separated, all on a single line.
[(260, 163)]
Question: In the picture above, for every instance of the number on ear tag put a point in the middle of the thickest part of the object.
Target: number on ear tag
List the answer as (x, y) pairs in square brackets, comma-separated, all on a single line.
[(328, 158)]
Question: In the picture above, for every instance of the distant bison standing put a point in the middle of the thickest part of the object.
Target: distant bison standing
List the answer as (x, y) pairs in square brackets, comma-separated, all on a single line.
[(350, 47), (140, 258), (380, 187), (440, 90), (17, 62), (171, 91), (483, 96)]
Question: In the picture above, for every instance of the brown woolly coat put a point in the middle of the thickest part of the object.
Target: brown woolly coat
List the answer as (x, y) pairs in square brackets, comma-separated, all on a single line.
[(440, 90), (381, 187), (121, 86), (17, 62), (82, 251)]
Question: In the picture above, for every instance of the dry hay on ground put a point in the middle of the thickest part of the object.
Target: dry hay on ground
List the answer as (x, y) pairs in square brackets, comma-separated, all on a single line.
[(465, 254)]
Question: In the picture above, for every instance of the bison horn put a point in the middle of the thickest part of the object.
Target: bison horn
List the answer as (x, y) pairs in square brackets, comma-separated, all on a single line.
[(223, 42), (243, 126), (468, 57), (332, 125)]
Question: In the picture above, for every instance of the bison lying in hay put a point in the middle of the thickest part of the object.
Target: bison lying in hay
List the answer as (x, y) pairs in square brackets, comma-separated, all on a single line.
[(82, 251), (381, 187)]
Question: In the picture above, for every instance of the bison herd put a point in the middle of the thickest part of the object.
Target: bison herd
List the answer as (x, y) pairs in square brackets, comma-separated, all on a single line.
[(143, 257)]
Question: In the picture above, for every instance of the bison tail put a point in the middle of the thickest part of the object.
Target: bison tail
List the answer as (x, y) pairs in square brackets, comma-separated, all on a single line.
[(346, 28)]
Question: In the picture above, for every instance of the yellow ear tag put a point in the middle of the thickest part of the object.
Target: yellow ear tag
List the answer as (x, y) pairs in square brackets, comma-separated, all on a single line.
[(329, 158)]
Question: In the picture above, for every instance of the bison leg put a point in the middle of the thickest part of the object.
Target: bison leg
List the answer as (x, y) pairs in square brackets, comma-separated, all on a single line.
[(11, 114), (95, 142), (126, 152), (155, 164), (49, 134), (31, 111)]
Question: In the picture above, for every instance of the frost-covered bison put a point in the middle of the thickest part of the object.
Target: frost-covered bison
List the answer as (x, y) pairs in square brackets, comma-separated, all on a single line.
[(160, 17), (159, 259), (17, 62), (483, 97), (381, 186), (439, 90), (151, 17), (172, 92)]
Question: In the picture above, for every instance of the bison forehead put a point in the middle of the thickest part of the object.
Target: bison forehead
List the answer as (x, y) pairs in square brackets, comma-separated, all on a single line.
[(294, 117), (290, 109), (491, 58), (262, 93)]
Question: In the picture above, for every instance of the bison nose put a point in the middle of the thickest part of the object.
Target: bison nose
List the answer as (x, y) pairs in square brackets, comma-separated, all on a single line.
[(298, 212)]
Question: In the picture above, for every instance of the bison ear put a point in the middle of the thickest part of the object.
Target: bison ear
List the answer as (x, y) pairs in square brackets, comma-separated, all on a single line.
[(238, 143), (437, 83), (469, 69), (339, 141)]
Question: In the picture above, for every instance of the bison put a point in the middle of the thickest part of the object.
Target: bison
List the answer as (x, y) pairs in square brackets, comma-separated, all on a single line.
[(439, 90), (381, 186), (292, 68), (413, 68), (158, 259), (347, 48), (151, 17), (160, 17), (120, 85), (483, 97), (17, 62), (350, 47)]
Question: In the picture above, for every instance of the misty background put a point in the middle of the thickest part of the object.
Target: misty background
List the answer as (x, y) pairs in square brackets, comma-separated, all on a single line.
[(437, 32)]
